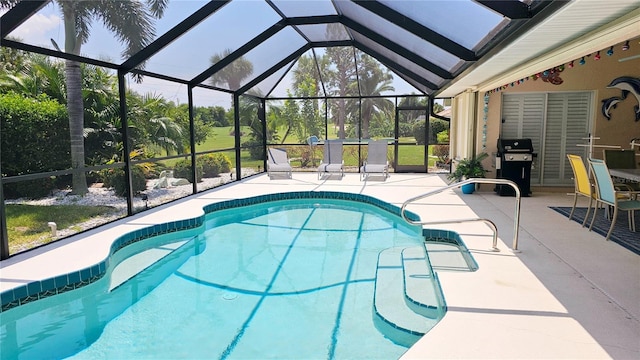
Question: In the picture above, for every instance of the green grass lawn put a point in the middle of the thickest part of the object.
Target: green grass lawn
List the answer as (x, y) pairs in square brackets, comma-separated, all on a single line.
[(222, 138), (27, 224)]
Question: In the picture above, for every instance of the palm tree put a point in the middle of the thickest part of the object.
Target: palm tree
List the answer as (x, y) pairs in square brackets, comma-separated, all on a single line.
[(339, 77), (232, 74), (132, 22), (37, 75), (373, 81)]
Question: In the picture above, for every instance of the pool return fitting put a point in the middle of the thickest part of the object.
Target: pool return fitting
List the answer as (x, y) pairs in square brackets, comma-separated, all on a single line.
[(516, 224)]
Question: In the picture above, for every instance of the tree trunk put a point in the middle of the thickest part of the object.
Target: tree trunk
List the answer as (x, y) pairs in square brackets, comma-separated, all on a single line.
[(342, 114), (75, 109)]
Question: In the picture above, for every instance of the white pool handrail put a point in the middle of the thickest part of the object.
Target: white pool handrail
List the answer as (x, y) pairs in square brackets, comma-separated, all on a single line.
[(516, 223)]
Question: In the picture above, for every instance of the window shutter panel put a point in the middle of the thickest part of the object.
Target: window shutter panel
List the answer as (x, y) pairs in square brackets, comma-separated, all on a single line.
[(523, 117), (566, 125)]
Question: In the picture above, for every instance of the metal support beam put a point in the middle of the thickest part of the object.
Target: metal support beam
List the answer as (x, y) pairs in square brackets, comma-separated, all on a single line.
[(19, 14), (236, 126), (241, 51), (128, 173), (192, 139), (4, 238), (175, 32), (395, 66), (513, 9), (392, 46), (418, 29), (273, 69)]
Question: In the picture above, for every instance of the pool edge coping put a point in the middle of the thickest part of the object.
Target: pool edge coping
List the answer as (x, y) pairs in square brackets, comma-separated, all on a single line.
[(40, 289)]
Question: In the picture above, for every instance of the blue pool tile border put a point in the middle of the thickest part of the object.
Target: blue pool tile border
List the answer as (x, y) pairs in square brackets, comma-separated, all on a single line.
[(36, 290)]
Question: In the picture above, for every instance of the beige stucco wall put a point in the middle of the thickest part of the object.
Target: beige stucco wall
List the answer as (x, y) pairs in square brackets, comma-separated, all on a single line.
[(594, 75)]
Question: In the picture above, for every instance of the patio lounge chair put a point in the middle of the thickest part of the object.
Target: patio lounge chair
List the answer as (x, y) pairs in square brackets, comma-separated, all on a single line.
[(376, 162), (332, 159), (278, 162)]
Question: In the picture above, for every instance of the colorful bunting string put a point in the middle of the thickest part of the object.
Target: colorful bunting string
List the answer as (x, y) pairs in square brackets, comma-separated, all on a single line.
[(550, 75)]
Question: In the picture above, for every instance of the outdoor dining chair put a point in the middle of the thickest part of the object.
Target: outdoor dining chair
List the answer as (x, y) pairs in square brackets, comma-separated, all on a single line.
[(607, 195), (622, 159), (582, 184), (376, 162)]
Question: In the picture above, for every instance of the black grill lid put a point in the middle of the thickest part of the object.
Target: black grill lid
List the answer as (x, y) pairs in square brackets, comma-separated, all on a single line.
[(515, 145)]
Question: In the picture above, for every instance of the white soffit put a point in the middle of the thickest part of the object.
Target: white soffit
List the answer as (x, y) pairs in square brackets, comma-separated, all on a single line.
[(579, 28)]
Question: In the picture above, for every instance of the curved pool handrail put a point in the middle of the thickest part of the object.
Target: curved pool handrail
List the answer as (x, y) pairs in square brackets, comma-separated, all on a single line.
[(516, 223)]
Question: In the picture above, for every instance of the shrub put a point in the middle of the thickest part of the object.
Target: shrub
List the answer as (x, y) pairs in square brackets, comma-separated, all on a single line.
[(182, 169), (442, 152), (30, 189), (35, 139), (115, 178), (419, 132), (214, 164), (256, 151), (436, 126), (443, 137), (405, 129)]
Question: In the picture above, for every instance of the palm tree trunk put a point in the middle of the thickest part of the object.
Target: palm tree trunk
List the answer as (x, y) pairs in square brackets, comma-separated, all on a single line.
[(75, 109)]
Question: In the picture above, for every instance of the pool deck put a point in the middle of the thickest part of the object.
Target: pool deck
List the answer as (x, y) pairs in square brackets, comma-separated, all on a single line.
[(565, 294)]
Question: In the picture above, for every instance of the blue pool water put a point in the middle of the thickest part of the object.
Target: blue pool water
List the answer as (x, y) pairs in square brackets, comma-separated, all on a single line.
[(283, 279)]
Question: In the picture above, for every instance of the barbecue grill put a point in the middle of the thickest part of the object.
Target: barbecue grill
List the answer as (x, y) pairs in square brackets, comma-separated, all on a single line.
[(513, 162)]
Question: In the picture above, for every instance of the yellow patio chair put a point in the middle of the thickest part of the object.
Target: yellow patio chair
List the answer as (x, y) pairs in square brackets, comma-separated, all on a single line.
[(582, 184)]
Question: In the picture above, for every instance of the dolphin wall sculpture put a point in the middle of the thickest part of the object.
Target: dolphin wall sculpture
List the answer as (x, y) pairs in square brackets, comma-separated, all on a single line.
[(628, 85)]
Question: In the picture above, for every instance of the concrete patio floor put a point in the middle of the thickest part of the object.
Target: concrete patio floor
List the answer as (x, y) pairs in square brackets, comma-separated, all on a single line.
[(566, 294)]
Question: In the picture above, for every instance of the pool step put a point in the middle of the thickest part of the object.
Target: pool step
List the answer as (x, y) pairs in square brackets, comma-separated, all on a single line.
[(450, 257), (404, 309), (420, 294), (135, 264)]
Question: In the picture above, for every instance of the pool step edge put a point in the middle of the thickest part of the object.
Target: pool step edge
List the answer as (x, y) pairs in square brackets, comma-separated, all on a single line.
[(393, 316)]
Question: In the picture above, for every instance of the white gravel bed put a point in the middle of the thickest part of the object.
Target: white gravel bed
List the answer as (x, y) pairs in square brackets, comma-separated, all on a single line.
[(99, 196)]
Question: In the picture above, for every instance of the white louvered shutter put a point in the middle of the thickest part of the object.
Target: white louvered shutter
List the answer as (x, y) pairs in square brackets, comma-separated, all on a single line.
[(522, 118), (567, 125)]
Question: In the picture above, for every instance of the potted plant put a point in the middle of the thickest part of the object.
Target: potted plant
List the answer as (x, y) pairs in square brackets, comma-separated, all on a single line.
[(467, 169)]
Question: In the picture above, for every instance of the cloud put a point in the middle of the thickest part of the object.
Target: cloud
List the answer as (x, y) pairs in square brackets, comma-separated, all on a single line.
[(38, 29)]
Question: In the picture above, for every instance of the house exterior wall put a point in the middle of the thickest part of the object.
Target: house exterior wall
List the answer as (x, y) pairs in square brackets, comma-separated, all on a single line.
[(594, 75)]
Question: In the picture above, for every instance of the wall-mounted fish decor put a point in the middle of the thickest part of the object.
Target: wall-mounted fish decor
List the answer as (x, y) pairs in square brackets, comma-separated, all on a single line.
[(628, 85), (608, 104)]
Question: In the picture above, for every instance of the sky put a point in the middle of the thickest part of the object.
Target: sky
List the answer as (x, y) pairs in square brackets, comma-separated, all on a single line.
[(188, 55)]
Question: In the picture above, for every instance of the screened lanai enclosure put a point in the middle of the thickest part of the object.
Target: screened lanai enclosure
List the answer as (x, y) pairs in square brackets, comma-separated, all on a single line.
[(109, 108)]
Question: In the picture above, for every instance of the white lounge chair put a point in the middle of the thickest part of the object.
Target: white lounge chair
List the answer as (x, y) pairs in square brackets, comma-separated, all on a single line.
[(332, 159), (376, 162), (278, 162)]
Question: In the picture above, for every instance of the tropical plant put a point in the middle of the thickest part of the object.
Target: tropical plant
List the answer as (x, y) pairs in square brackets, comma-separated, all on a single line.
[(469, 168), (373, 80), (38, 74), (132, 23)]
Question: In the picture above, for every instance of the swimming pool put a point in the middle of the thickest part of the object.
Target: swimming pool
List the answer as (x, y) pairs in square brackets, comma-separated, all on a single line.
[(315, 277)]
